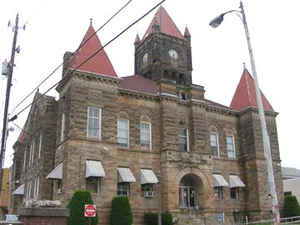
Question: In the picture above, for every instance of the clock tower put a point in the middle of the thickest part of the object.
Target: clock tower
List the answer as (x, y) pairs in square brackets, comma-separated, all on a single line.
[(164, 53)]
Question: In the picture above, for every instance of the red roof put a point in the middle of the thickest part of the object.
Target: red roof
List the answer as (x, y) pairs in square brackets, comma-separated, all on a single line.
[(245, 96), (165, 23), (138, 83), (100, 63)]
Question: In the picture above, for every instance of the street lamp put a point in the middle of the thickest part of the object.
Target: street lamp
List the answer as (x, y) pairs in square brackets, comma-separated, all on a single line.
[(266, 141)]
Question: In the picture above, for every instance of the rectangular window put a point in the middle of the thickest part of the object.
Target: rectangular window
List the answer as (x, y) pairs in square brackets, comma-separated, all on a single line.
[(147, 189), (214, 144), (93, 185), (123, 133), (220, 218), (218, 193), (123, 189), (24, 162), (230, 147), (40, 144), (32, 151), (234, 193), (59, 186), (62, 131), (145, 134), (94, 122), (36, 188), (183, 140)]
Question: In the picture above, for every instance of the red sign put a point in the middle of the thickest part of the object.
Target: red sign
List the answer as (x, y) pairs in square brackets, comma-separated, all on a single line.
[(89, 210)]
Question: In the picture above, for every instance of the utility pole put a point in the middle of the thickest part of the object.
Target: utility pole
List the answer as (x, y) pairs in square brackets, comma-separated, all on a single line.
[(9, 79)]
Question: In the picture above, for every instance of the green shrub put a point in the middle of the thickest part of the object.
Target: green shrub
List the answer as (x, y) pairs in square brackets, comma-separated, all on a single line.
[(76, 209), (152, 218), (120, 213), (291, 206)]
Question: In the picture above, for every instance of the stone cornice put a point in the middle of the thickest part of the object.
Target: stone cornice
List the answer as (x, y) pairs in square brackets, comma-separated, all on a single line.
[(87, 76), (254, 109)]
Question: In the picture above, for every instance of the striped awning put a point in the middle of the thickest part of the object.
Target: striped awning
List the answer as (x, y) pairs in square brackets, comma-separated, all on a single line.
[(235, 181), (148, 177), (219, 181), (125, 175), (94, 169), (57, 173), (19, 190)]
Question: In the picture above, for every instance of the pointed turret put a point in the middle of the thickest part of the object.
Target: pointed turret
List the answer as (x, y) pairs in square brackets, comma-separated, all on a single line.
[(163, 21), (245, 96), (137, 40), (100, 63), (187, 33)]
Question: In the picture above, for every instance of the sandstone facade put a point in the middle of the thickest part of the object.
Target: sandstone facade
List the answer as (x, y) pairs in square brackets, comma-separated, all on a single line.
[(180, 152)]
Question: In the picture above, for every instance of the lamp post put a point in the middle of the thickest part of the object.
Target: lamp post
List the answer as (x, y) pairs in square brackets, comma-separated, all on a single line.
[(266, 141)]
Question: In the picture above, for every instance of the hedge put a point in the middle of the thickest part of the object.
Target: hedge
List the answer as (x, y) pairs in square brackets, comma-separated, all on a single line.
[(76, 209), (152, 218), (120, 213), (291, 206)]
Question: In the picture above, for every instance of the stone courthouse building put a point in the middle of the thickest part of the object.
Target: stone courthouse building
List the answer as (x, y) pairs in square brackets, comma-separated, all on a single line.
[(149, 136)]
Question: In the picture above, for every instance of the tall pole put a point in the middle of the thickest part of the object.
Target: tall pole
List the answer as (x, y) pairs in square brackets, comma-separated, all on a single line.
[(265, 136), (9, 79)]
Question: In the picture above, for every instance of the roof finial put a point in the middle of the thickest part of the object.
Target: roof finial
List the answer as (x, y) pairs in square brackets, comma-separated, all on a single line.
[(91, 21), (244, 65)]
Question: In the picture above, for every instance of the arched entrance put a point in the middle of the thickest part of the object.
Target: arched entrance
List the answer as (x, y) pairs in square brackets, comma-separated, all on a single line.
[(190, 192)]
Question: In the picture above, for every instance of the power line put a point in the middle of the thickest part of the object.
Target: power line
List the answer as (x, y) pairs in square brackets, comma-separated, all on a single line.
[(96, 52), (74, 53)]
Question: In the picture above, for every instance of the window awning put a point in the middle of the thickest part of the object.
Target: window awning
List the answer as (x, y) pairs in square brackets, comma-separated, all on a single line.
[(125, 175), (57, 173), (219, 181), (19, 190), (148, 177), (94, 169), (235, 181)]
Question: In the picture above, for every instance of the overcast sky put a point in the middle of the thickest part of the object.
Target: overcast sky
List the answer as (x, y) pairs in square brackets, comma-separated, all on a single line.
[(53, 27)]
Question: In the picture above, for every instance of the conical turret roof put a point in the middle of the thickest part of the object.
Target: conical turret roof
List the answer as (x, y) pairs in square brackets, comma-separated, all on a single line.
[(100, 63), (245, 95), (165, 23)]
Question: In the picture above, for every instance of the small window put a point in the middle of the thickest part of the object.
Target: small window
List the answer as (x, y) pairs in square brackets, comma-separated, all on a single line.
[(145, 134), (40, 144), (24, 161), (287, 193), (214, 144), (230, 147), (59, 186), (218, 193), (147, 190), (123, 133), (183, 139), (62, 132), (234, 193), (94, 122), (220, 218), (93, 184), (123, 189)]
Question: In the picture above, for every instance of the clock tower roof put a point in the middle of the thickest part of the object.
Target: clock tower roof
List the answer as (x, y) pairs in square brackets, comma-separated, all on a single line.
[(165, 23)]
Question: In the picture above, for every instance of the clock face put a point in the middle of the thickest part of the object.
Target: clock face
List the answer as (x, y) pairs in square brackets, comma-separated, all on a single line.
[(173, 54), (145, 59)]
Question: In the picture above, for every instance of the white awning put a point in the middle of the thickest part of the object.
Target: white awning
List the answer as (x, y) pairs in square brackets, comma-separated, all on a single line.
[(148, 177), (94, 169), (19, 190), (219, 181), (235, 181), (57, 173), (125, 175)]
